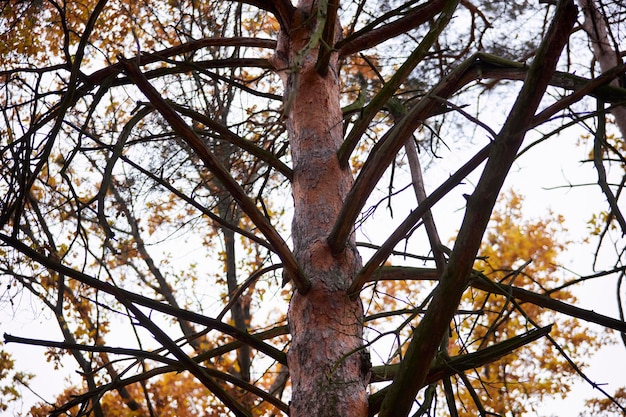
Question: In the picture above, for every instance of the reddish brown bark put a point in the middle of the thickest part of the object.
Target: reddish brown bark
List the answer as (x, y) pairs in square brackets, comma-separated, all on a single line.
[(325, 361)]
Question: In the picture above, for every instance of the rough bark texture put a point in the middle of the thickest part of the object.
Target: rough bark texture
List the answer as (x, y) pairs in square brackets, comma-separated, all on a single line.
[(325, 359)]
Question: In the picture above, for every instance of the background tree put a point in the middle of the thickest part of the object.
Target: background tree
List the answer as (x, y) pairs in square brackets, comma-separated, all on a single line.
[(148, 149)]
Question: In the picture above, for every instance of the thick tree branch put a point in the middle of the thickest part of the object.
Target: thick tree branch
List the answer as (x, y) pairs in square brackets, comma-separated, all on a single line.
[(411, 220), (188, 363), (214, 165), (99, 76), (386, 93), (446, 296), (445, 368), (599, 144), (120, 293), (327, 40), (591, 87), (370, 36), (283, 10), (226, 134), (483, 283), (493, 67), (456, 364), (410, 148)]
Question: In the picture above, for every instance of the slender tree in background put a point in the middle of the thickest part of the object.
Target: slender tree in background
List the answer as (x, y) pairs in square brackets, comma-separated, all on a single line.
[(148, 153)]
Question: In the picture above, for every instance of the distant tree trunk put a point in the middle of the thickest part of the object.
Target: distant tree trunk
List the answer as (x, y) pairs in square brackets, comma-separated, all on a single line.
[(327, 367), (240, 310), (603, 51)]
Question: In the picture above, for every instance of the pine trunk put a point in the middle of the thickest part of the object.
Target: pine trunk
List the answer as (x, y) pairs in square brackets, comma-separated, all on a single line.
[(328, 368)]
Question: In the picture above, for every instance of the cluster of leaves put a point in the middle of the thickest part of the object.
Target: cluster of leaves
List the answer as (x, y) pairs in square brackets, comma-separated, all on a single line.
[(11, 381)]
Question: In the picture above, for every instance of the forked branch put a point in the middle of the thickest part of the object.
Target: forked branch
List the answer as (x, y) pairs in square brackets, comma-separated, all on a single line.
[(446, 297)]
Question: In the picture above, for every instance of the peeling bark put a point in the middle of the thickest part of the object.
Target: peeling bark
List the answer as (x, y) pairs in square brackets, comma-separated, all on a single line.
[(325, 358)]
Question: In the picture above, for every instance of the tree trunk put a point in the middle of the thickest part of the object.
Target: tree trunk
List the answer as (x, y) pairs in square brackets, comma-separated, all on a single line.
[(329, 370)]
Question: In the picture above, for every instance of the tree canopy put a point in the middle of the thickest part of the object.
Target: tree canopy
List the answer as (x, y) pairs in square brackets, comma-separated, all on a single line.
[(236, 207)]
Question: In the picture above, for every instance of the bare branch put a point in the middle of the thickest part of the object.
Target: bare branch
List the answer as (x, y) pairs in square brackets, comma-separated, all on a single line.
[(97, 77), (483, 283), (282, 9), (133, 353), (444, 368), (390, 87), (598, 145), (370, 36), (411, 220), (245, 202), (435, 322), (129, 296)]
